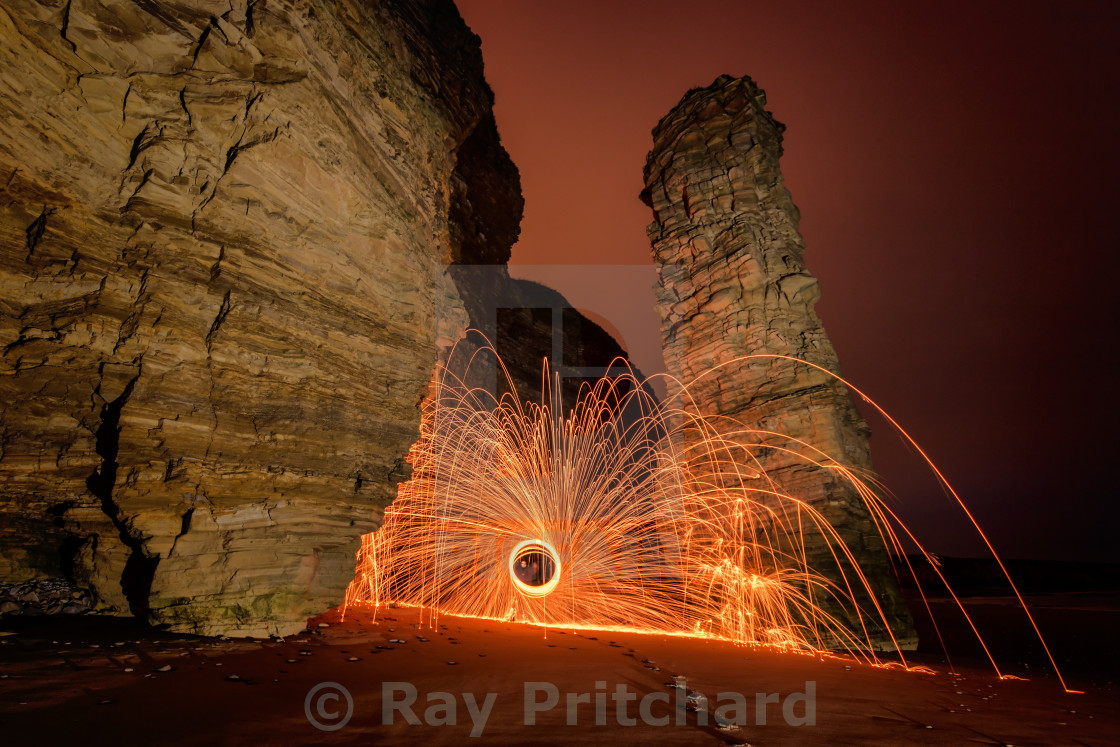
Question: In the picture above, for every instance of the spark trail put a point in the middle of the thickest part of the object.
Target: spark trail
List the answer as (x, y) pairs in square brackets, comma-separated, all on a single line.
[(627, 513)]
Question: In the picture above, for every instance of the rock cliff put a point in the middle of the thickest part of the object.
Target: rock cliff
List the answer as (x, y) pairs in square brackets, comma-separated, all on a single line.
[(733, 282), (223, 234)]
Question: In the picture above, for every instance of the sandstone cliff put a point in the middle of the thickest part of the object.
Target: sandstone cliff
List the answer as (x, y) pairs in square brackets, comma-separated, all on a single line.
[(733, 282), (223, 233)]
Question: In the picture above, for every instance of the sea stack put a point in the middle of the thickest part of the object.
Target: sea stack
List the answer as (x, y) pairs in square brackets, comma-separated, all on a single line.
[(733, 283)]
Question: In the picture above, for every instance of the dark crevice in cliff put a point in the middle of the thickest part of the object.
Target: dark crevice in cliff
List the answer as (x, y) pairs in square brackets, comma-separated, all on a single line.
[(198, 45), (250, 22), (183, 103), (138, 144), (215, 25), (36, 230), (184, 527), (223, 311), (241, 146), (66, 27), (139, 570), (69, 549)]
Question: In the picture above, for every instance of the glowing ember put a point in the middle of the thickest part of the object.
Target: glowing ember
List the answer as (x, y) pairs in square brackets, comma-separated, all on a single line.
[(626, 514)]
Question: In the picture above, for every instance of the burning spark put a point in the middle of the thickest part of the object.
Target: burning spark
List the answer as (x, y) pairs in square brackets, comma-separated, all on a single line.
[(627, 514)]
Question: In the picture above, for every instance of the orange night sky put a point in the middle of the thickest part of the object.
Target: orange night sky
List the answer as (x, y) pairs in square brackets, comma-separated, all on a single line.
[(956, 167)]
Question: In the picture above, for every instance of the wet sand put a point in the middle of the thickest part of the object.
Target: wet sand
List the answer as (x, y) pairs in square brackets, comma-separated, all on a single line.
[(68, 681)]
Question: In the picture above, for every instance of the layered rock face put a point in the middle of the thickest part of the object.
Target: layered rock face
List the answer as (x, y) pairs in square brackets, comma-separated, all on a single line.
[(733, 283), (223, 234)]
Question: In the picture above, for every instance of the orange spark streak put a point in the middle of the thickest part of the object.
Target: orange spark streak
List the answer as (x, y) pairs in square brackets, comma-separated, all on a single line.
[(649, 517)]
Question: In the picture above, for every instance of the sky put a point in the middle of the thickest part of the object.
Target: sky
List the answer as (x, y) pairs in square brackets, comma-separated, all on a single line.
[(957, 168)]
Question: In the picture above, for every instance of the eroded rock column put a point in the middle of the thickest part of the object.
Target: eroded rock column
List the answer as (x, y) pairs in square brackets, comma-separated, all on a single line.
[(733, 283)]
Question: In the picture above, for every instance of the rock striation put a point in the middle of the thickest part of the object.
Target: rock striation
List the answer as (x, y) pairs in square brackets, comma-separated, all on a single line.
[(224, 228), (733, 282)]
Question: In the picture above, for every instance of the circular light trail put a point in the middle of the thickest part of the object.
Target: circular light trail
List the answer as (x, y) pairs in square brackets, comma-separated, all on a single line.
[(534, 567)]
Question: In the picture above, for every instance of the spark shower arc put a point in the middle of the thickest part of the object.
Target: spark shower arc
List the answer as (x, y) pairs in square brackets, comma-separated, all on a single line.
[(624, 513)]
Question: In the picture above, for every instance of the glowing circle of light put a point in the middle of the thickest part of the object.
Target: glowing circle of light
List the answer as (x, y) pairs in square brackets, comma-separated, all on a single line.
[(546, 551)]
